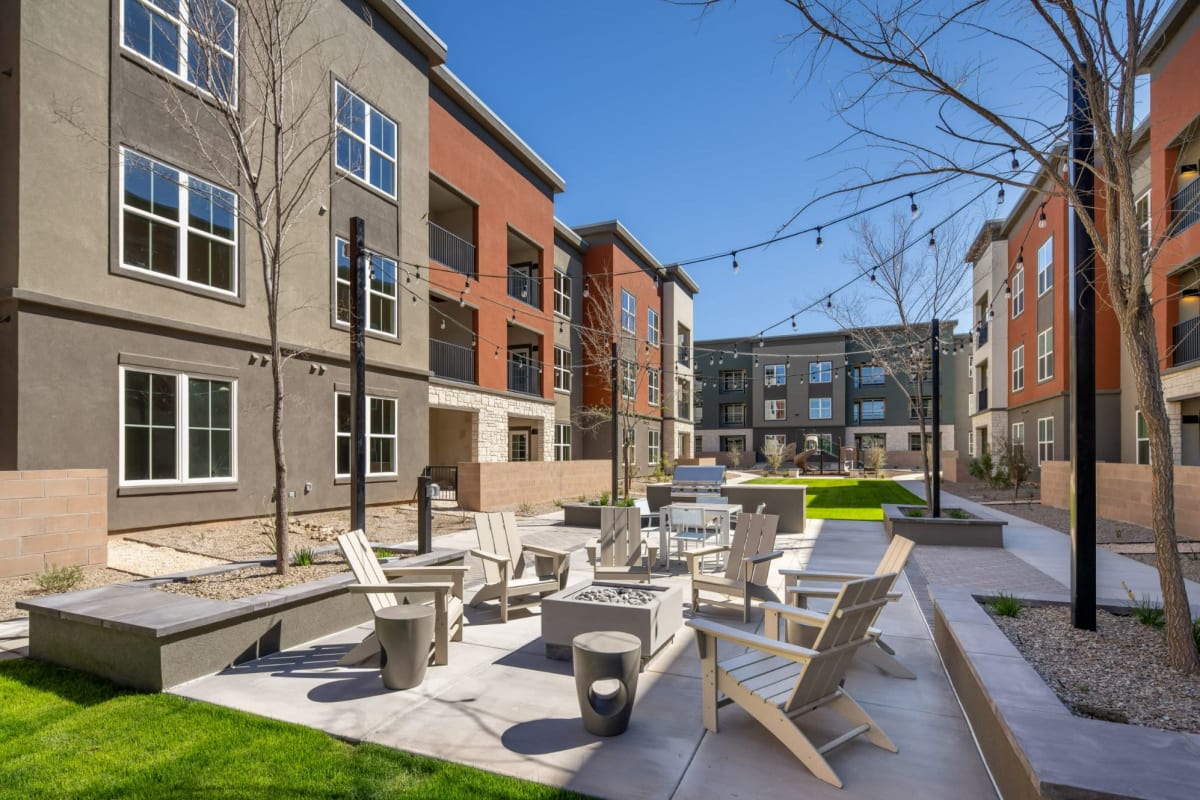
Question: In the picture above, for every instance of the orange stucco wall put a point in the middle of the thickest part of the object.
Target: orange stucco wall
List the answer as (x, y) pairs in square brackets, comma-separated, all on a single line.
[(505, 198)]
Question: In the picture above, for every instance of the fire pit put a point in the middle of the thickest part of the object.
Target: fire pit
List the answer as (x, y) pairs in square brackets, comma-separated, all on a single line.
[(651, 613)]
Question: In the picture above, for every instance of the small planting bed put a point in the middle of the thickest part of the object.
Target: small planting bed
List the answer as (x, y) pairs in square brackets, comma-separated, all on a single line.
[(956, 527)]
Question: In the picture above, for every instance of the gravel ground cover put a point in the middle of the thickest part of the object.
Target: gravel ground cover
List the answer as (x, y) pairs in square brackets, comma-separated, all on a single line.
[(249, 581), (1117, 672), (14, 589)]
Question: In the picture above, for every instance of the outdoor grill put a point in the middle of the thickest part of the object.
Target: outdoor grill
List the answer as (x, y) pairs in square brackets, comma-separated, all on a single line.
[(697, 481)]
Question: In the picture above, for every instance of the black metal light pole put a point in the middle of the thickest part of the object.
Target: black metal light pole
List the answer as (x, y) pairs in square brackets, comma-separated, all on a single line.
[(358, 375), (616, 451), (1083, 367), (424, 514), (936, 467)]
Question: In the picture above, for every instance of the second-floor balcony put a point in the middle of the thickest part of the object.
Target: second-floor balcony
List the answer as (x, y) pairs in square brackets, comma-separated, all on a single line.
[(523, 377), (1185, 339), (1185, 207), (451, 250), (525, 287), (981, 334), (452, 361), (684, 407)]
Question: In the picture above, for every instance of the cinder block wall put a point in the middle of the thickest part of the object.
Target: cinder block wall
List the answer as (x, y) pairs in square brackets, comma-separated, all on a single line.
[(52, 518), (498, 486), (1123, 493)]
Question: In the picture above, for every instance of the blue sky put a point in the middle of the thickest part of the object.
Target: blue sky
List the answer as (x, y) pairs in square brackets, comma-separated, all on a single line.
[(699, 132)]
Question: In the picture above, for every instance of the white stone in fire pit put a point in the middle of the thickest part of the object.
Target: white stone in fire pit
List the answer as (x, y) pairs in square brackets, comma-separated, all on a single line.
[(651, 613)]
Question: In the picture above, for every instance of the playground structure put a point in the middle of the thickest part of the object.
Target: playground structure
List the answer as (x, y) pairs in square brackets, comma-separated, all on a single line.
[(813, 460)]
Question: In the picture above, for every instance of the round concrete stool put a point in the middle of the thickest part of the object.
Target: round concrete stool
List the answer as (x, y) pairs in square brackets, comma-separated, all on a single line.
[(405, 633), (606, 675)]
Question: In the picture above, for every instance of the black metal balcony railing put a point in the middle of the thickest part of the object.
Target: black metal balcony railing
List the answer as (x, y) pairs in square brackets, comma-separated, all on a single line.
[(451, 250), (452, 361), (683, 356), (1185, 207), (523, 377), (981, 402), (525, 288), (1185, 339), (981, 334)]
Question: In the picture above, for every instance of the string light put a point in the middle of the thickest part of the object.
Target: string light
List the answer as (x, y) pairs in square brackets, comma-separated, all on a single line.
[(1000, 196), (1042, 217), (462, 300), (1007, 291), (912, 208), (794, 328), (820, 241), (829, 301), (585, 291), (735, 264), (466, 286), (760, 340), (872, 274), (1015, 164), (932, 242), (443, 323), (1021, 258)]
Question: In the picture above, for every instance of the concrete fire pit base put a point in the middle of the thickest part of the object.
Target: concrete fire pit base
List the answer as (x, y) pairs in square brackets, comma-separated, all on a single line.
[(564, 617)]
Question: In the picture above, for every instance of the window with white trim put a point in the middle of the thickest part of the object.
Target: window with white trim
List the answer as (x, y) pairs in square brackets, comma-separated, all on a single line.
[(562, 294), (1018, 368), (1018, 292), (652, 327), (776, 409), (820, 407), (820, 372), (1017, 439), (775, 375), (971, 443), (562, 442), (779, 439), (1045, 355), (1142, 213), (366, 141), (653, 446), (1045, 256), (194, 40), (176, 225), (628, 380), (654, 386), (562, 369), (1045, 439), (177, 428), (381, 435), (1141, 439), (628, 312), (926, 407), (382, 289)]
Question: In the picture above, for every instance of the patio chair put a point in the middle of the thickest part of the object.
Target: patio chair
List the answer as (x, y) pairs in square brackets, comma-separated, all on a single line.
[(747, 565), (687, 525), (879, 655), (779, 683), (617, 554), (373, 582), (504, 566), (650, 518)]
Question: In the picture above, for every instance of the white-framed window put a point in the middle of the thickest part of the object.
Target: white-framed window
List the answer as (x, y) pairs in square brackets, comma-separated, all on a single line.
[(1018, 368), (1045, 439), (653, 386), (775, 375), (518, 445), (652, 327), (1017, 438), (382, 289), (776, 409), (628, 380), (1018, 292), (381, 435), (176, 225), (868, 411), (653, 446), (1142, 211), (1045, 255), (733, 414), (820, 408), (868, 375), (562, 442), (971, 442), (194, 40), (684, 350), (628, 312), (820, 372), (177, 428), (914, 442), (366, 141), (562, 369), (1141, 439), (683, 394), (779, 439), (562, 294), (1045, 354)]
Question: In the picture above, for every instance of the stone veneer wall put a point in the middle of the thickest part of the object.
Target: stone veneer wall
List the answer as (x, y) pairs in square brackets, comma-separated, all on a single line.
[(489, 423), (52, 518), (506, 485), (1123, 493)]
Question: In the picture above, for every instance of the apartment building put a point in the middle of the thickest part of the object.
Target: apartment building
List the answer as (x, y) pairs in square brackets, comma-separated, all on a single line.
[(823, 385)]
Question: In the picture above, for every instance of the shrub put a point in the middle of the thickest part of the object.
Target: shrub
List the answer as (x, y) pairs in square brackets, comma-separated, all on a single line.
[(382, 552), (625, 502), (874, 459), (1145, 610), (957, 513), (59, 579), (1005, 605), (914, 512), (605, 497), (303, 557), (558, 503)]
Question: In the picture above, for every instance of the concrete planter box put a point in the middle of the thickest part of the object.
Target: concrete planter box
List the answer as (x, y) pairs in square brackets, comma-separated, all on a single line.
[(786, 501), (1034, 746), (581, 515), (150, 640), (974, 532), (564, 618)]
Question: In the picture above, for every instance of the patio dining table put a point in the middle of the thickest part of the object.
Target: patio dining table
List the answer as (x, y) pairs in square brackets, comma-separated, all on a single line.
[(718, 514)]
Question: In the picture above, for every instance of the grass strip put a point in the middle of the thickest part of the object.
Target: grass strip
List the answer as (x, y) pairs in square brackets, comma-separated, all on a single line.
[(847, 498)]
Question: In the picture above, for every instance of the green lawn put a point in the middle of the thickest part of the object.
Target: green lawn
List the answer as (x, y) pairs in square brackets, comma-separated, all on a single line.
[(847, 498), (67, 734)]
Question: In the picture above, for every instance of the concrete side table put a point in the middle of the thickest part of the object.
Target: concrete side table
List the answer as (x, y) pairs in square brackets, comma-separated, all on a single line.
[(606, 675), (405, 633)]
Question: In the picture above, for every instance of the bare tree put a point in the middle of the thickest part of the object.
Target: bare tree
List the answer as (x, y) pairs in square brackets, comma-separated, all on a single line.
[(1017, 466), (773, 454), (906, 52), (909, 284)]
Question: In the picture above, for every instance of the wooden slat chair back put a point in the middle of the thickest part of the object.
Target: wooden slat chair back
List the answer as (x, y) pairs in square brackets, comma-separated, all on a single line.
[(365, 566), (505, 570), (747, 564), (896, 556), (617, 552), (754, 536), (497, 533)]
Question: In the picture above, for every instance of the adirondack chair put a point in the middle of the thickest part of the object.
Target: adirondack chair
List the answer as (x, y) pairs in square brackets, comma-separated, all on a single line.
[(504, 567), (880, 655), (373, 582), (617, 554), (778, 683), (746, 565)]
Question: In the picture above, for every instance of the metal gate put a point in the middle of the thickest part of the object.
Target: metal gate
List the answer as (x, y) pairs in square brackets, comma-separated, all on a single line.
[(447, 480)]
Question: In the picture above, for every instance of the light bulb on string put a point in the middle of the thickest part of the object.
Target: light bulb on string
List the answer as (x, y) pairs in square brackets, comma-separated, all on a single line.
[(932, 242), (1000, 196), (466, 285), (418, 270), (872, 274), (1021, 258), (1007, 291), (829, 301), (794, 329), (462, 300), (1042, 217), (443, 325), (735, 264), (496, 355), (760, 340), (820, 241), (913, 208), (560, 326), (585, 291), (1015, 164)]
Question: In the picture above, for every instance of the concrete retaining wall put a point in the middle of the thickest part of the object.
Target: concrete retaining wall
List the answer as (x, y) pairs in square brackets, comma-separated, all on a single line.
[(952, 463), (1123, 493), (505, 485), (52, 518)]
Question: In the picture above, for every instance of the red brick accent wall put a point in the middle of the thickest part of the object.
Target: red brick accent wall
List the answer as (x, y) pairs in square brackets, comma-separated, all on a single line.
[(499, 486), (52, 518), (1123, 493)]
